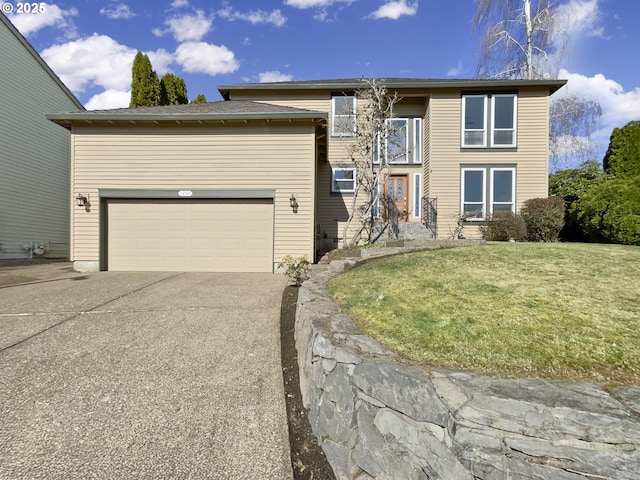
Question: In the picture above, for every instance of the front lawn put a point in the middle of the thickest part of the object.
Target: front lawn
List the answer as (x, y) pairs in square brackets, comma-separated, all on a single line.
[(551, 310)]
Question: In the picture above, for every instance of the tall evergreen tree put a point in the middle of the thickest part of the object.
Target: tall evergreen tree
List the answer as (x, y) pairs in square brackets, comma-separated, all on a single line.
[(145, 87), (173, 90)]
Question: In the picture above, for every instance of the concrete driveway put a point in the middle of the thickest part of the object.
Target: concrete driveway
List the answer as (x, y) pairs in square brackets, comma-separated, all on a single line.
[(141, 376)]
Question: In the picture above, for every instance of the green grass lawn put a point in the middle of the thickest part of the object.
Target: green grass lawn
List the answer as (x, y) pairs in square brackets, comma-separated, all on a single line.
[(550, 310)]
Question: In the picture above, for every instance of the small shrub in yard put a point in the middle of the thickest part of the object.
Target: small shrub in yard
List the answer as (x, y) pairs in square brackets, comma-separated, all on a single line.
[(297, 269), (544, 218), (504, 225)]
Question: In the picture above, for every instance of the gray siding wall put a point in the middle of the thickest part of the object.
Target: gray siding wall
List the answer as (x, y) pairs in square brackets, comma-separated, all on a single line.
[(35, 197)]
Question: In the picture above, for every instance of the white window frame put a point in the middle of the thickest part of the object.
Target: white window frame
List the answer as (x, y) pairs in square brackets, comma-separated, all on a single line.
[(417, 140), (463, 170), (406, 140), (334, 180), (513, 188), (334, 117), (376, 203), (493, 121), (417, 195), (463, 128)]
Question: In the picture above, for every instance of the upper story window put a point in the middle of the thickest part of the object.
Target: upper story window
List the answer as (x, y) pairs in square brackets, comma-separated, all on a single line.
[(343, 115), (397, 143), (403, 143), (489, 120)]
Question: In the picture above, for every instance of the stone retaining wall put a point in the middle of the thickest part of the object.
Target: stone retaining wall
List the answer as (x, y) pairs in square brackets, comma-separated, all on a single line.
[(377, 419)]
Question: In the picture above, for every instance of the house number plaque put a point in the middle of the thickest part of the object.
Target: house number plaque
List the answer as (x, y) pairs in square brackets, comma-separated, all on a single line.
[(185, 193)]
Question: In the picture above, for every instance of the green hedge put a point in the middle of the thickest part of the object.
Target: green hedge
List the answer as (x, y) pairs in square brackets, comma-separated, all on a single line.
[(544, 218), (504, 225)]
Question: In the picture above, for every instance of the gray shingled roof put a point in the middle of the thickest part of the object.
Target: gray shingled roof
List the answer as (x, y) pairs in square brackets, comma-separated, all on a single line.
[(398, 83), (223, 110)]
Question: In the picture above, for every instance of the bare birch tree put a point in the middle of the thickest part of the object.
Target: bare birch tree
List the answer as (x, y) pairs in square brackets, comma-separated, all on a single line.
[(517, 42), (524, 39), (369, 153)]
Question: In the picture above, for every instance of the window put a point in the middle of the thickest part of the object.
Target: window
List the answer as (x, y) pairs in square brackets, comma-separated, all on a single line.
[(343, 180), (503, 189), (474, 117), (397, 144), (417, 140), (489, 116), (417, 195), (343, 115), (503, 133), (404, 144), (473, 193), (476, 199)]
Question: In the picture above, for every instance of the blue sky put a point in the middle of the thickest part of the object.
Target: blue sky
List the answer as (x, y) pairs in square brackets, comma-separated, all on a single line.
[(91, 44)]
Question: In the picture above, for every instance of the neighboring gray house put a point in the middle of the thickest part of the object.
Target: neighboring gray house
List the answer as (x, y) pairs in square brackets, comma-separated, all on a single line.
[(35, 196)]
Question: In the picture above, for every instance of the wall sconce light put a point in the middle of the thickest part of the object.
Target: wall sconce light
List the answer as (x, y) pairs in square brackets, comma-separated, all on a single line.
[(293, 203), (81, 200)]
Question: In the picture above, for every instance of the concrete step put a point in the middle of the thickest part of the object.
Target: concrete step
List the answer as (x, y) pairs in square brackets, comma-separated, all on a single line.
[(402, 231)]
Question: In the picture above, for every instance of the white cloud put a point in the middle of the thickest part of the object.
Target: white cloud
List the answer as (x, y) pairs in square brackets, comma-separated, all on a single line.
[(395, 9), (321, 5), (99, 61), (275, 17), (455, 71), (313, 3), (53, 16), (180, 3), (274, 76), (618, 107), (580, 17), (187, 27), (109, 99), (201, 57), (120, 11)]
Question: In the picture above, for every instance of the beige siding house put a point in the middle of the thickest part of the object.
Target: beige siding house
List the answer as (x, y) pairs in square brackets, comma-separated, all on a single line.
[(35, 197), (236, 185)]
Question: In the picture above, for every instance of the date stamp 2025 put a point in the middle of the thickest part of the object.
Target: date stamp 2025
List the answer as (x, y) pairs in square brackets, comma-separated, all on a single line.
[(28, 8)]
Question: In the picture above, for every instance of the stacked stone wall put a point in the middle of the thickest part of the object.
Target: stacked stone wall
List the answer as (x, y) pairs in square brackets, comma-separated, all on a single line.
[(378, 419)]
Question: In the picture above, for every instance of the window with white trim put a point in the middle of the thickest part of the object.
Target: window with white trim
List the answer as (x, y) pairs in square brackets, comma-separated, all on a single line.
[(503, 189), (473, 193), (477, 198), (343, 180), (343, 115), (417, 195), (404, 142), (489, 120), (504, 110), (474, 120), (417, 140), (397, 143)]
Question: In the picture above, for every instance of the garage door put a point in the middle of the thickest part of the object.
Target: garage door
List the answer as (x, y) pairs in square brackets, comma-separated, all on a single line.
[(190, 235)]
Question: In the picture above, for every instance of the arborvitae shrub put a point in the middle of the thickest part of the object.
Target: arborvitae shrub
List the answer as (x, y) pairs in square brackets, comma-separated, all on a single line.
[(504, 225), (544, 218)]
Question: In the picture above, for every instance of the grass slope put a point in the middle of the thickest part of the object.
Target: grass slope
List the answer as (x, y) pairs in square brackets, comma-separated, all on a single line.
[(559, 311)]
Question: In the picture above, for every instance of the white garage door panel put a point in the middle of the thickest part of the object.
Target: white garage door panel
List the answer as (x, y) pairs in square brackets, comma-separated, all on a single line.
[(190, 235)]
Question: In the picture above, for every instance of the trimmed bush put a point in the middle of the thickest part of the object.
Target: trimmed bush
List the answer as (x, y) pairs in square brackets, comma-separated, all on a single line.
[(544, 218), (504, 225)]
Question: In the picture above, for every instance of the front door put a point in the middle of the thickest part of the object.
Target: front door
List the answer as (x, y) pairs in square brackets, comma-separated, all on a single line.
[(397, 195)]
